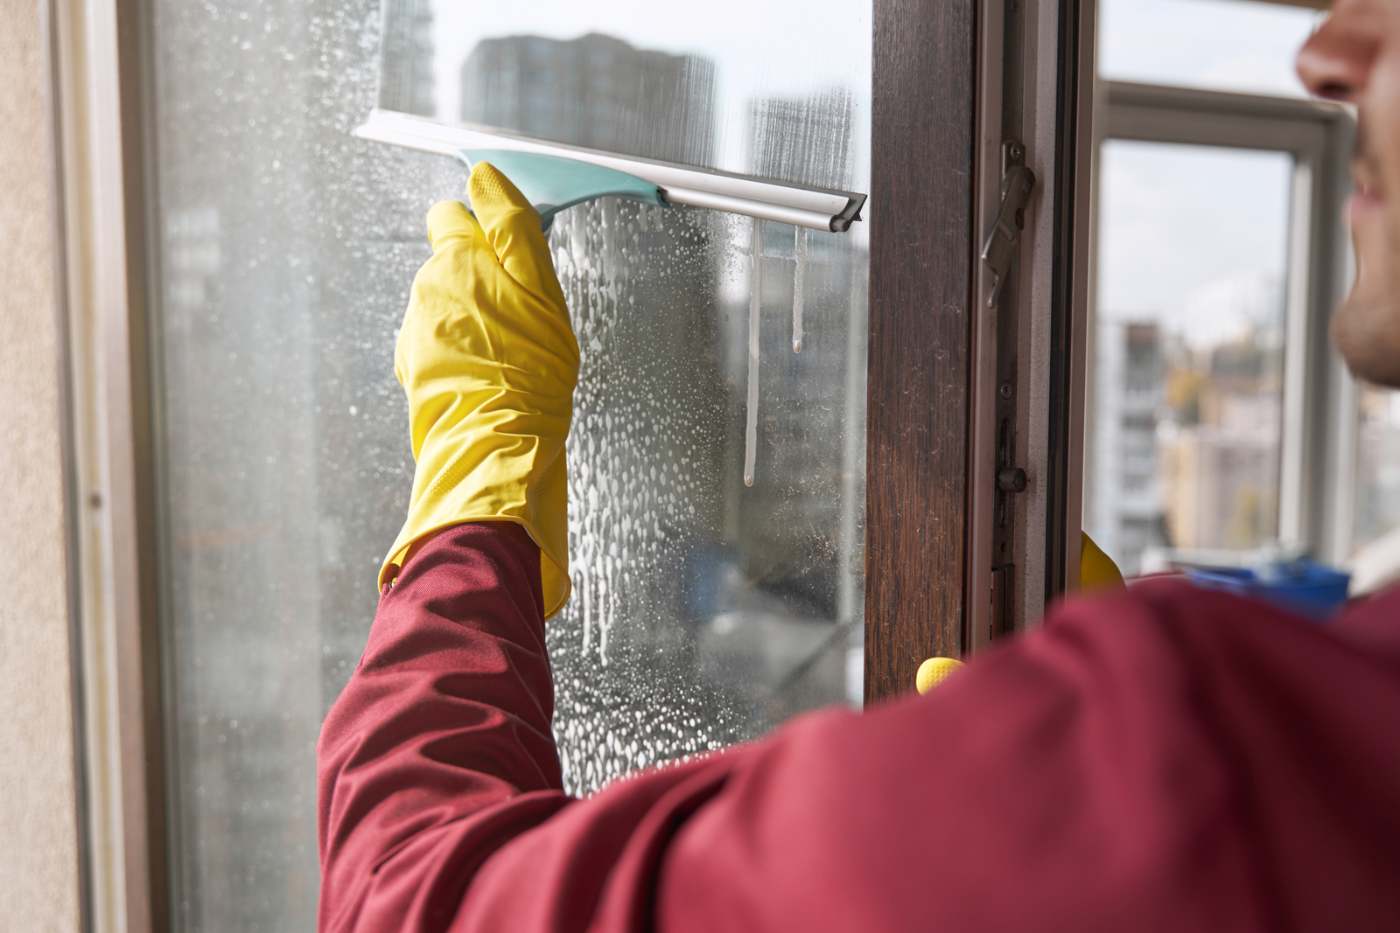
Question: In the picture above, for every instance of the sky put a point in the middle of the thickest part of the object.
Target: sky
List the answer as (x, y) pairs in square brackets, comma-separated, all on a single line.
[(1190, 234), (1237, 45)]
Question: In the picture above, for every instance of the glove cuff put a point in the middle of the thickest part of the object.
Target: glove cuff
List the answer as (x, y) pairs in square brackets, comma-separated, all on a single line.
[(524, 481)]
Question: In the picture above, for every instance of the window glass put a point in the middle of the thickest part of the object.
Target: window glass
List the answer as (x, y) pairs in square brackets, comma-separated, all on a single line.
[(706, 609), (1228, 45), (779, 89), (1186, 379)]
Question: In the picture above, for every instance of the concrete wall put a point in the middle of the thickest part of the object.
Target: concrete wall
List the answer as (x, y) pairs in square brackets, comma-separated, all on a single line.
[(38, 858)]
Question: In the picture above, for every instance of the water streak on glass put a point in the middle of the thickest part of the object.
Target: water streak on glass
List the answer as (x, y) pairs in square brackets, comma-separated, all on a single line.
[(705, 612), (755, 323), (799, 283)]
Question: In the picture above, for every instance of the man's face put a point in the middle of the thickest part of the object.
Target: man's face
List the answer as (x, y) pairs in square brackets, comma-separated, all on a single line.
[(1355, 57)]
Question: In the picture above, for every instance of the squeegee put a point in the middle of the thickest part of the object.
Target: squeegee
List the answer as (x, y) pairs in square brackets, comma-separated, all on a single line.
[(553, 183), (555, 176)]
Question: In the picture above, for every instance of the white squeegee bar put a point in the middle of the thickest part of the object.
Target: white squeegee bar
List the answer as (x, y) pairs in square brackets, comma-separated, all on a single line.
[(817, 208)]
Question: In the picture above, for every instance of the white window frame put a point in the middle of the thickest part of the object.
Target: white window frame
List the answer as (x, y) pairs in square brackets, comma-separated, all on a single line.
[(1317, 457), (97, 109)]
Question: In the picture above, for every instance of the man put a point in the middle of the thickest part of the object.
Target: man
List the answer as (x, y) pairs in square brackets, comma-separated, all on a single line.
[(1161, 759)]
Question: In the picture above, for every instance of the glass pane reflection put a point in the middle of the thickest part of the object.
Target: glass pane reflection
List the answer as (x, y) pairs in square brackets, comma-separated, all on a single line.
[(706, 610), (722, 85)]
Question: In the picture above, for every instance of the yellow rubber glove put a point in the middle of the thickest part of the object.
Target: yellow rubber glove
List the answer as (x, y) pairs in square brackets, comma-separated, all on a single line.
[(933, 672), (489, 362), (1097, 571)]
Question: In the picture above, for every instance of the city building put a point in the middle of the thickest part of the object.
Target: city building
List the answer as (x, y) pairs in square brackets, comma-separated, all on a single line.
[(1221, 448), (1222, 488), (596, 91), (1123, 493), (406, 67)]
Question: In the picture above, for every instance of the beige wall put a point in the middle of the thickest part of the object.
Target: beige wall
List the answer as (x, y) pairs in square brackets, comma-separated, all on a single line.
[(38, 847)]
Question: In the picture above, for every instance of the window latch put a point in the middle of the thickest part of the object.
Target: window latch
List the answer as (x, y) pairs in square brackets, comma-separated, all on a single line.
[(1017, 183)]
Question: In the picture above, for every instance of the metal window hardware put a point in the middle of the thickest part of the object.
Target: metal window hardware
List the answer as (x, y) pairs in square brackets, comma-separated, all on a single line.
[(1017, 183), (1012, 479)]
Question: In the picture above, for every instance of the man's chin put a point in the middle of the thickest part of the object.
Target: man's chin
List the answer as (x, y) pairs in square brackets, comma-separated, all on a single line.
[(1364, 330)]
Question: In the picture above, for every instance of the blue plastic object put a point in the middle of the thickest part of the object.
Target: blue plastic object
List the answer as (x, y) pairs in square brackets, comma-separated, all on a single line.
[(1306, 587), (553, 183)]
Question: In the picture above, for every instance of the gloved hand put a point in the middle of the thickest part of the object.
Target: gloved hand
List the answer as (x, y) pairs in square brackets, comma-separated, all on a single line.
[(489, 362), (1097, 571)]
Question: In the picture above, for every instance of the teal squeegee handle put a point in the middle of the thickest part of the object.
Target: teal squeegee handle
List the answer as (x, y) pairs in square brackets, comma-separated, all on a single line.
[(554, 183)]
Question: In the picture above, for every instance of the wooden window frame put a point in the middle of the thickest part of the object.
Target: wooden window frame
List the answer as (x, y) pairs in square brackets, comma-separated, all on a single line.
[(961, 387)]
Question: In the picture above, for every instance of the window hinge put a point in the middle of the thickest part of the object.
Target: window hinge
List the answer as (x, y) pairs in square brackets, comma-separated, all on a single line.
[(1017, 183)]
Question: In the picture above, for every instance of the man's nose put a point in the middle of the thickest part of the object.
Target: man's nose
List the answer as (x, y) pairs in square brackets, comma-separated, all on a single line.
[(1336, 61)]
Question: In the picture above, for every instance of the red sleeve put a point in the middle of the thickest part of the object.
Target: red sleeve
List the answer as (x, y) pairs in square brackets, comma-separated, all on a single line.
[(1164, 760)]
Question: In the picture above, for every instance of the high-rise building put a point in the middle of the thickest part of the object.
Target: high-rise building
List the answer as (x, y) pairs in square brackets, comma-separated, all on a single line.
[(1123, 492), (406, 65), (1221, 454), (596, 91), (1222, 487)]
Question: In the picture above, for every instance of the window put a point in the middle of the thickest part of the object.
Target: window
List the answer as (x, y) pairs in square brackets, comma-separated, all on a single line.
[(1212, 397), (705, 609), (243, 455)]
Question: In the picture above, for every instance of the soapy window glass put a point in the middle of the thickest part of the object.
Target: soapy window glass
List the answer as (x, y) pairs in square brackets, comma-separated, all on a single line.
[(705, 610)]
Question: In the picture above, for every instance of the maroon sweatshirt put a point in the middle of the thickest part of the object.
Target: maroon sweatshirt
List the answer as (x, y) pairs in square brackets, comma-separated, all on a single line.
[(1164, 759)]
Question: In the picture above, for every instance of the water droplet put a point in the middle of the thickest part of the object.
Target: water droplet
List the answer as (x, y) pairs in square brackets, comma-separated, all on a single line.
[(799, 276)]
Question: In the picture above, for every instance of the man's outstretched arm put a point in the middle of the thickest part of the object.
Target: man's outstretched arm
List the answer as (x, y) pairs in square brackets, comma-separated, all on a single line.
[(446, 717), (1119, 769), (440, 800)]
